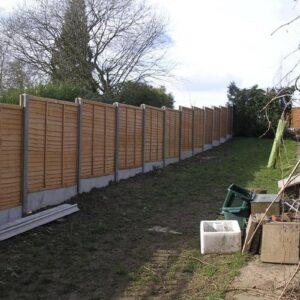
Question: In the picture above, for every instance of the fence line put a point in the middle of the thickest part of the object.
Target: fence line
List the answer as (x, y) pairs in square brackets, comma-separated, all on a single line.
[(50, 150)]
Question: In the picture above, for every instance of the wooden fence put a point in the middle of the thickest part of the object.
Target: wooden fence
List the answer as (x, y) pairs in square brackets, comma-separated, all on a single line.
[(295, 118), (51, 150), (10, 155)]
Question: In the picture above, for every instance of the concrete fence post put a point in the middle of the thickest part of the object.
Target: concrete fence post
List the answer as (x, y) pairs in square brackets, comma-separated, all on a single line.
[(180, 132), (143, 106), (193, 131), (117, 140), (24, 103), (79, 142)]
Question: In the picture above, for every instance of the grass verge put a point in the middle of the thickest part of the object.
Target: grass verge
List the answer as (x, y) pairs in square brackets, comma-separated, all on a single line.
[(106, 250)]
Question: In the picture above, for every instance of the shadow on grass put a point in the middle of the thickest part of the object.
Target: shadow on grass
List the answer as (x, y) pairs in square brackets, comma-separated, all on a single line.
[(106, 251)]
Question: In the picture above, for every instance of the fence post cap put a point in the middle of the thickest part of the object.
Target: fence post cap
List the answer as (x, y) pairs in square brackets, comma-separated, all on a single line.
[(78, 100), (23, 100)]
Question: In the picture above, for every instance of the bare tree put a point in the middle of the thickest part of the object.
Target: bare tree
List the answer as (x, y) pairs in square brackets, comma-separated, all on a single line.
[(3, 63), (128, 40)]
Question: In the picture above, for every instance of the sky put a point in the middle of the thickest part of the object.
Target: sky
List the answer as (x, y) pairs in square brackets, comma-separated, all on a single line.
[(215, 42)]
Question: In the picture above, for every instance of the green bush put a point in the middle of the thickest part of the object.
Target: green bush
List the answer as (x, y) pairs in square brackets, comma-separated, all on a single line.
[(250, 120), (63, 91), (128, 92), (137, 93)]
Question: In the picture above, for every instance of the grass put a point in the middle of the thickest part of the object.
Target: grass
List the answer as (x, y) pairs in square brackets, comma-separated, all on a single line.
[(106, 251)]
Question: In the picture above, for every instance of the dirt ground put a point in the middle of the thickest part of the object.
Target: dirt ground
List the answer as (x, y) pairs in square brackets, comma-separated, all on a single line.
[(106, 251), (263, 281)]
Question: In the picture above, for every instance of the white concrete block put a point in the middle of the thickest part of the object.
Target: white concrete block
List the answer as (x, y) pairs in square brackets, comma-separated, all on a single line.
[(207, 147), (186, 154), (216, 143), (150, 166), (198, 150), (172, 160), (127, 173), (10, 214), (220, 237)]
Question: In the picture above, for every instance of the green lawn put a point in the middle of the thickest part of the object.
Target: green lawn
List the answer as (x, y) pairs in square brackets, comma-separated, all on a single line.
[(106, 251)]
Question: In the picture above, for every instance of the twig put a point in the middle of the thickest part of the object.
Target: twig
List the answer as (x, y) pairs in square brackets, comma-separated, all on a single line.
[(274, 98), (288, 283), (198, 259), (296, 83), (289, 73), (286, 24), (269, 125), (157, 275)]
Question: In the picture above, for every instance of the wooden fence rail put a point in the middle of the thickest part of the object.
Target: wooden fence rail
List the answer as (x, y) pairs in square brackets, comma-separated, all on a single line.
[(50, 150)]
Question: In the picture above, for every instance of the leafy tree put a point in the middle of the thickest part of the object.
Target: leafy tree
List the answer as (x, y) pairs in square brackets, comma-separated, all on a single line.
[(71, 56), (250, 118), (137, 93)]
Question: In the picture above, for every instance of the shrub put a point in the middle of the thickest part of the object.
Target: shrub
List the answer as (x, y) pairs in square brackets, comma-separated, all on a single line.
[(249, 118)]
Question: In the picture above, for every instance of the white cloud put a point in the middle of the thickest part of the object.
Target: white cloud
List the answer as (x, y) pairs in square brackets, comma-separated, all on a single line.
[(220, 41), (7, 5)]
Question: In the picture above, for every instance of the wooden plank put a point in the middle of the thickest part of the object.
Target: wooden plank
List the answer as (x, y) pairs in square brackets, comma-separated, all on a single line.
[(253, 221), (295, 180), (54, 101)]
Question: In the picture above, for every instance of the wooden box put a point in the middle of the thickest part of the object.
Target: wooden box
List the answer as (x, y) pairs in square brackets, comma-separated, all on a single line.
[(262, 201), (280, 243)]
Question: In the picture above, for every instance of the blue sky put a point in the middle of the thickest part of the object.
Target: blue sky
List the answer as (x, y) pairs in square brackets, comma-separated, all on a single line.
[(218, 41)]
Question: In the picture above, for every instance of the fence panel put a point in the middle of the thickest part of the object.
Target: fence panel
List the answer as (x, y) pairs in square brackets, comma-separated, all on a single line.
[(10, 155), (172, 133), (186, 129), (223, 122), (98, 139), (130, 136), (229, 118), (154, 134), (216, 124), (198, 127), (52, 144), (208, 125)]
